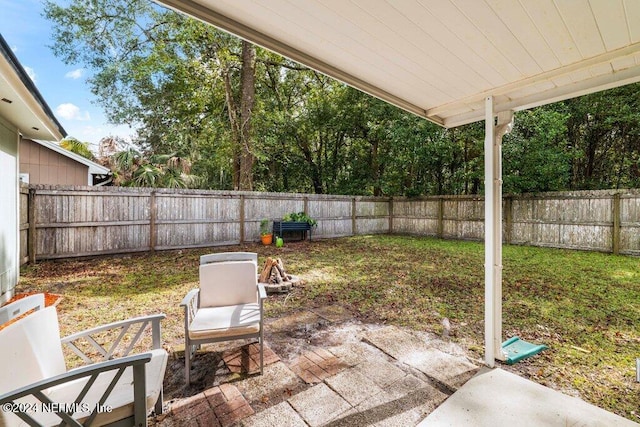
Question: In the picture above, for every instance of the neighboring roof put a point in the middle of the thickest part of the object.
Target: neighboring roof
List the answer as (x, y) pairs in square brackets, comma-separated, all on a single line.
[(27, 109), (94, 168), (440, 59)]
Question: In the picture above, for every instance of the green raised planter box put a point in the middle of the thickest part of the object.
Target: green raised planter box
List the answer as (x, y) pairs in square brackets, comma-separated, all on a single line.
[(281, 227)]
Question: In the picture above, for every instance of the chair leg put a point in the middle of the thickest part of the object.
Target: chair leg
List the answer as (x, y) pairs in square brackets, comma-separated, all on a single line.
[(261, 352), (159, 402), (187, 362)]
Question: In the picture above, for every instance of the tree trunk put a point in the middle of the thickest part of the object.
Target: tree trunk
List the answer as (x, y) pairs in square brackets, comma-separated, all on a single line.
[(247, 102), (240, 117)]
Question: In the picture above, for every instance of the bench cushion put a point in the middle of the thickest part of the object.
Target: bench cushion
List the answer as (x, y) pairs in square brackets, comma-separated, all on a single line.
[(219, 322)]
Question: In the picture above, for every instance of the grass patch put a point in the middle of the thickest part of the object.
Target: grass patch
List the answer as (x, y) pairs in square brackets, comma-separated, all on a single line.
[(585, 306)]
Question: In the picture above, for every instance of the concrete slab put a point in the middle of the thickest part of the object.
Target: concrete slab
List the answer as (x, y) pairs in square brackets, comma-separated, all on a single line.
[(394, 341), (354, 353), (453, 371), (406, 405), (280, 415), (410, 349), (277, 378), (499, 398), (354, 386), (383, 373), (319, 405)]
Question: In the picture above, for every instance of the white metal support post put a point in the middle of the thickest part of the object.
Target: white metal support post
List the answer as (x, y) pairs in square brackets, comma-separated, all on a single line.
[(493, 229)]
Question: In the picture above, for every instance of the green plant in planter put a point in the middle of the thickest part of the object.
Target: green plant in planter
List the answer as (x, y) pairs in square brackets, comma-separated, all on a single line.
[(264, 227), (299, 217)]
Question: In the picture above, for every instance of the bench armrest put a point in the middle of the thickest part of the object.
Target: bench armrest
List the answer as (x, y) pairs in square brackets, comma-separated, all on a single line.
[(124, 326), (137, 362)]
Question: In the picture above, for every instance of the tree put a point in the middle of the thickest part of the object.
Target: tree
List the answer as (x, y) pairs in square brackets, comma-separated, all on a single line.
[(131, 169), (139, 52), (78, 147), (535, 154)]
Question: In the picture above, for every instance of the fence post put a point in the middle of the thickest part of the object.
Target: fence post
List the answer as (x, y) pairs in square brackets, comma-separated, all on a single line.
[(306, 205), (242, 219), (615, 234), (354, 230), (153, 232), (390, 215), (440, 230), (31, 217), (508, 221)]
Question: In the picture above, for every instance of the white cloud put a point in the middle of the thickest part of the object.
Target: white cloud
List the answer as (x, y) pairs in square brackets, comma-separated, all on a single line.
[(75, 74), (14, 48), (31, 73), (72, 112)]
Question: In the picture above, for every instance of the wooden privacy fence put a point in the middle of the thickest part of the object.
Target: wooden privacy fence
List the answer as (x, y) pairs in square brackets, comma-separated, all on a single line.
[(82, 221), (59, 222)]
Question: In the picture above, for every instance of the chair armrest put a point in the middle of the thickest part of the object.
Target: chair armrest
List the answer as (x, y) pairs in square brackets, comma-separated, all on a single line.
[(188, 299), (124, 326), (262, 293), (26, 411), (190, 304)]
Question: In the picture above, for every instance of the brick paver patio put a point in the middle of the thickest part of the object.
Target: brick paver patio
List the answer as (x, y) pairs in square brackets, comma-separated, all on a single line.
[(362, 375)]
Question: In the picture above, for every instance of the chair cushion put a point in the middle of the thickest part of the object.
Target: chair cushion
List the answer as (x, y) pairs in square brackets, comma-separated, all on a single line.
[(229, 321), (31, 347), (228, 283)]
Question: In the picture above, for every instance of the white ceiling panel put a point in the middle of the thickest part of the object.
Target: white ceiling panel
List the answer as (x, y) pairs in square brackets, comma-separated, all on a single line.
[(439, 59)]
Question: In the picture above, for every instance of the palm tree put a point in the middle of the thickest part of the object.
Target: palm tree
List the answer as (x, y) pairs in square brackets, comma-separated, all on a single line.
[(75, 146), (131, 168)]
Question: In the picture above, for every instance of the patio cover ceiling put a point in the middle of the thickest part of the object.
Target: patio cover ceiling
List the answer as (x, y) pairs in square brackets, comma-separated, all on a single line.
[(440, 59)]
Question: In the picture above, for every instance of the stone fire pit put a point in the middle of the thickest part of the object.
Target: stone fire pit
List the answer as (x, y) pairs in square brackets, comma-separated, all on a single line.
[(275, 279)]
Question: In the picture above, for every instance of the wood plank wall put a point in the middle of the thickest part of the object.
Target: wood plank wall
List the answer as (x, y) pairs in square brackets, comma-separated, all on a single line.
[(59, 222)]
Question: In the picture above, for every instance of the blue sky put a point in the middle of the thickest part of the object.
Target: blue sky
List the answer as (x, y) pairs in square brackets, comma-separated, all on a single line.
[(63, 87)]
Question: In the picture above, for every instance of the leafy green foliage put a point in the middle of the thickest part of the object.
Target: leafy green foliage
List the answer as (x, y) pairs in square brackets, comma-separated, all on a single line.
[(299, 217), (78, 147)]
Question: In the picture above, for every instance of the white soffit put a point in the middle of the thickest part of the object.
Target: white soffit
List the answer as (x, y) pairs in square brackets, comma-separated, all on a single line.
[(20, 102), (440, 58)]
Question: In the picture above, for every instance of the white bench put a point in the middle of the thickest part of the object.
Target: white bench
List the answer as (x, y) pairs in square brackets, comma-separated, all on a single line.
[(37, 389)]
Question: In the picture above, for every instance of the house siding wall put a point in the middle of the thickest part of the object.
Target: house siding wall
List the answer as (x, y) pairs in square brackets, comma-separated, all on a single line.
[(45, 166), (8, 210)]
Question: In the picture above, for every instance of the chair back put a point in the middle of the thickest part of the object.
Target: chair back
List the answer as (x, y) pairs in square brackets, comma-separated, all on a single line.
[(228, 283), (21, 306), (31, 350), (229, 256)]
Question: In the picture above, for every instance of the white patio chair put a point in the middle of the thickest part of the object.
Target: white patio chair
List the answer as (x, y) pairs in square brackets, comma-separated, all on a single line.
[(21, 306), (227, 306), (36, 388)]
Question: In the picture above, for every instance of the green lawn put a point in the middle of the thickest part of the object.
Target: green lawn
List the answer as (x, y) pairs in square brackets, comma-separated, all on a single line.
[(584, 306)]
